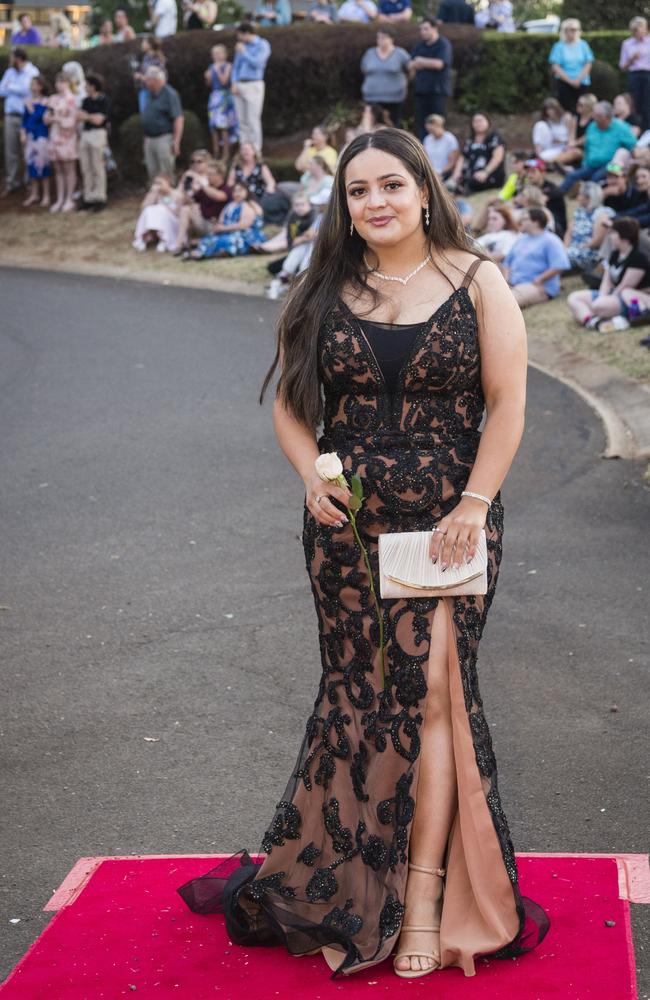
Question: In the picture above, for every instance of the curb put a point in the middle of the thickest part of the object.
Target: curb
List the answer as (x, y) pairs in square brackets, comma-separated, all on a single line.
[(621, 402), (194, 279)]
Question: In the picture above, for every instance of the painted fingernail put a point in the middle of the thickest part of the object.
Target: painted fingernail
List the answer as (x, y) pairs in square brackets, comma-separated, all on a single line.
[(443, 567), (434, 559), (339, 524)]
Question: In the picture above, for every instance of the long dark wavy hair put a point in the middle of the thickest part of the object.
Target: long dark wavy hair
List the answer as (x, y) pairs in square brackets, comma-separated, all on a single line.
[(337, 262)]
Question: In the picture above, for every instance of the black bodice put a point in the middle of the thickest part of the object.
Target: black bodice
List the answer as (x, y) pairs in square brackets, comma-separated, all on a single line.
[(391, 343)]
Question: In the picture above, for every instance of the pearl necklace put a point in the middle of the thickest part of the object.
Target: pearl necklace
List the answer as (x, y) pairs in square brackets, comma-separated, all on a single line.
[(393, 277)]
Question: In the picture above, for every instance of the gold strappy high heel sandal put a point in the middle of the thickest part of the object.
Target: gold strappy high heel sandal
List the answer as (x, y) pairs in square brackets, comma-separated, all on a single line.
[(416, 973)]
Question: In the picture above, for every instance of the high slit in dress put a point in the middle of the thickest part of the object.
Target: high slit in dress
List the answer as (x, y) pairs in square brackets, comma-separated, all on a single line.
[(337, 846)]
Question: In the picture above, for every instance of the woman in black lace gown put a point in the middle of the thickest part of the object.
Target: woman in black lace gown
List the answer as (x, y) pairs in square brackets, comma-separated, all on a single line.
[(397, 337)]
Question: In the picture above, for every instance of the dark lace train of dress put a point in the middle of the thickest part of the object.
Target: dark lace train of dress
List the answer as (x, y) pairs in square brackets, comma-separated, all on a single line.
[(337, 846)]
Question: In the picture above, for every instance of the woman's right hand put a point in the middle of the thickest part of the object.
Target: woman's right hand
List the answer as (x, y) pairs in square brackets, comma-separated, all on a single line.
[(319, 496)]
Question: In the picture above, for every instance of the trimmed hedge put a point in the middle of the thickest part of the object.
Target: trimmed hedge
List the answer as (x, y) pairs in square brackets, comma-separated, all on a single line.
[(312, 69), (314, 73), (511, 72)]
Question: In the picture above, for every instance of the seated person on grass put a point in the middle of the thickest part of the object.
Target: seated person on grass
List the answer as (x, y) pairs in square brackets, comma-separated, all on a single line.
[(297, 260), (157, 223), (585, 232), (298, 222), (481, 164), (603, 137), (626, 271), (500, 233), (441, 146), (238, 231), (203, 193), (535, 173), (534, 263)]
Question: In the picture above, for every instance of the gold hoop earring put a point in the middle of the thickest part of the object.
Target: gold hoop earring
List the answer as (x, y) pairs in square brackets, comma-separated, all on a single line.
[(426, 217), (351, 228)]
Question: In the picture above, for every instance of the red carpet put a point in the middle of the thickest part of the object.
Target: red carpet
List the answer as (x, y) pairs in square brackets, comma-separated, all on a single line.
[(121, 930)]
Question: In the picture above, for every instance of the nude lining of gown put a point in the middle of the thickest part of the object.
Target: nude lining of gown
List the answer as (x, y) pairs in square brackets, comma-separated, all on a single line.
[(478, 913)]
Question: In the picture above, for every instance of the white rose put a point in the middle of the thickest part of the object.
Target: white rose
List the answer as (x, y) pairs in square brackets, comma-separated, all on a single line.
[(328, 466)]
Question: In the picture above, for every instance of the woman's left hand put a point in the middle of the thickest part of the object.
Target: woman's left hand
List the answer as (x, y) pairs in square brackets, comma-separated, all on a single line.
[(459, 532)]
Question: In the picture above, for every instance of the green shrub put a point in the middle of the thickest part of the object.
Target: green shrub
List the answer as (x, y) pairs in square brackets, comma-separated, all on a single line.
[(314, 73), (606, 81), (594, 14), (511, 73)]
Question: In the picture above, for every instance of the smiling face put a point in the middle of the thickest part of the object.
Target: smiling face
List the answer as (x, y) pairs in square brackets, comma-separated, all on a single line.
[(383, 199)]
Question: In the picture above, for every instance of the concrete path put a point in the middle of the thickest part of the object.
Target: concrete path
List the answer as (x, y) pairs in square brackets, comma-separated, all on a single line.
[(153, 585)]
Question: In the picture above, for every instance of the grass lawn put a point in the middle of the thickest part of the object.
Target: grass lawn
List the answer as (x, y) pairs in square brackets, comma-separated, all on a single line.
[(102, 242)]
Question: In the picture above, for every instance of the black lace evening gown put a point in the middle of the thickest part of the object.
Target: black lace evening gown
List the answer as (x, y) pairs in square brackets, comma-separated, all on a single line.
[(337, 847)]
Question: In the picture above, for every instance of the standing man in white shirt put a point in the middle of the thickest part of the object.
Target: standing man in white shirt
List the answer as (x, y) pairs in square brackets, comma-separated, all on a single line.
[(15, 87), (164, 17)]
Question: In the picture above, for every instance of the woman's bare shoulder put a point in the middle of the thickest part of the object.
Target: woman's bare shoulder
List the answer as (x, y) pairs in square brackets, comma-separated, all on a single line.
[(486, 274)]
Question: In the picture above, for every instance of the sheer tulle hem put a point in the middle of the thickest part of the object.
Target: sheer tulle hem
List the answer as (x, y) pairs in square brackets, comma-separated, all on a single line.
[(218, 891)]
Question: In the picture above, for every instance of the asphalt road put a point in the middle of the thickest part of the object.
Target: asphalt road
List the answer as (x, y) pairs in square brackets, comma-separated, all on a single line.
[(152, 584)]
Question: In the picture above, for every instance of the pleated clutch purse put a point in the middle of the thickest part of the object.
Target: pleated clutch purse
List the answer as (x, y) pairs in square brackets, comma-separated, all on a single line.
[(406, 570)]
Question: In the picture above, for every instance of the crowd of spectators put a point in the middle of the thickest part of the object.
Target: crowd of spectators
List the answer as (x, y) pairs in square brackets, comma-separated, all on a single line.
[(598, 151)]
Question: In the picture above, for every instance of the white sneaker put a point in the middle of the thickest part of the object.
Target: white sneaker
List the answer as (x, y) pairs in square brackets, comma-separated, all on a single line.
[(614, 324), (161, 247), (139, 245), (274, 289)]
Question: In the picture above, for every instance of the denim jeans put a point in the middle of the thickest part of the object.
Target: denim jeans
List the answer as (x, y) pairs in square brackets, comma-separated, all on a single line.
[(582, 174)]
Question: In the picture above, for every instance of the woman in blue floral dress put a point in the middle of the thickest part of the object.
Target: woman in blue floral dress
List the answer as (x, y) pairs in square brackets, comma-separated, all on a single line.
[(239, 228), (222, 118), (34, 135)]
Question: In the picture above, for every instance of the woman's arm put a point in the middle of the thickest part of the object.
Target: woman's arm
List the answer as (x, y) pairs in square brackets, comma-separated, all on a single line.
[(268, 178), (606, 284), (568, 236), (299, 445), (631, 279), (559, 73), (585, 71), (503, 347), (458, 169), (495, 160), (223, 73), (451, 161), (303, 158)]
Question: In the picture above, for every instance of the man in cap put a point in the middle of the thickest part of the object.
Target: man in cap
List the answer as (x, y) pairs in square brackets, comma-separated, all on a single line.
[(535, 173)]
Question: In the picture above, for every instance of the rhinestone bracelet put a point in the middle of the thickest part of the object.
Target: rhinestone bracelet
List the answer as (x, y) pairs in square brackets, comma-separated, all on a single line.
[(477, 496)]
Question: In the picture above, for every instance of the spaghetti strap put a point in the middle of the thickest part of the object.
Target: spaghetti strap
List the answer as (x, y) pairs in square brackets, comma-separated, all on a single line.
[(467, 280)]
